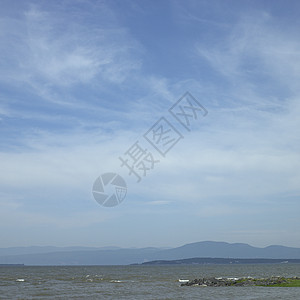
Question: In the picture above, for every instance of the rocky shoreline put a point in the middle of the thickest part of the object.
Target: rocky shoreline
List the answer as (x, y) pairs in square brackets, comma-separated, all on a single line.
[(244, 281)]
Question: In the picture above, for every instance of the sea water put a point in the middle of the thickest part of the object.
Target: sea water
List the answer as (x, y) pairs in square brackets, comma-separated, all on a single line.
[(140, 282)]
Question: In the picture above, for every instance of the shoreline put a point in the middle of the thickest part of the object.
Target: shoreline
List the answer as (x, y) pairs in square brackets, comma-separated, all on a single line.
[(274, 281)]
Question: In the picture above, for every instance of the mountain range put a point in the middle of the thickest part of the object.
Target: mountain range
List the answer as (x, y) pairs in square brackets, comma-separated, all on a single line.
[(125, 256)]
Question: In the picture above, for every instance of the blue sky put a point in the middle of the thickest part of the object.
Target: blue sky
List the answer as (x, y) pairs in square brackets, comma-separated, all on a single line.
[(81, 81)]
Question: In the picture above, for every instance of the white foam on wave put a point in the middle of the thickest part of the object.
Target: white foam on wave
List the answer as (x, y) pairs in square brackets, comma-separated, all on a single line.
[(20, 280), (183, 280), (233, 278)]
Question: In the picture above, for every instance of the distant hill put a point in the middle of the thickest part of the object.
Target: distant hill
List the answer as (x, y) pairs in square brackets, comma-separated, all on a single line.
[(47, 249), (226, 250), (223, 261), (120, 256)]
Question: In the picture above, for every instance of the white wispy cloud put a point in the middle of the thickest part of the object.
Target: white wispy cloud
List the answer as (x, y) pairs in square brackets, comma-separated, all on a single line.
[(249, 145), (78, 98), (65, 53)]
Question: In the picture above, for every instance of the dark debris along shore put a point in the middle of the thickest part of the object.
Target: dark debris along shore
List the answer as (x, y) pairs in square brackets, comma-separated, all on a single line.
[(244, 281)]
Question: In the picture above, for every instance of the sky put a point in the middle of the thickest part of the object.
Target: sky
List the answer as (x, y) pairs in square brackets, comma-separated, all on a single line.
[(82, 81)]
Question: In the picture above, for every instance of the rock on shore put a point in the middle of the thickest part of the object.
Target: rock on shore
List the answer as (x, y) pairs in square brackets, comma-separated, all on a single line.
[(244, 281)]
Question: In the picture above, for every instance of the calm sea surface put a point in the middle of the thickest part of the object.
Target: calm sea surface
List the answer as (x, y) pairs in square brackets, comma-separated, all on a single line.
[(139, 282)]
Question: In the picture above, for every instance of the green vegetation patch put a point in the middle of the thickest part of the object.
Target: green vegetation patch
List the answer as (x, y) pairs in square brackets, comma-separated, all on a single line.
[(288, 282)]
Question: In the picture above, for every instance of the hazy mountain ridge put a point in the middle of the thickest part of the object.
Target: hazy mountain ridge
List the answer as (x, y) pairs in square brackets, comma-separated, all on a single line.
[(48, 249), (123, 256), (204, 261)]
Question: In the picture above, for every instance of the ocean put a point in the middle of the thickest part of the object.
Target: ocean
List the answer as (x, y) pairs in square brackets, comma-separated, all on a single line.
[(140, 282)]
